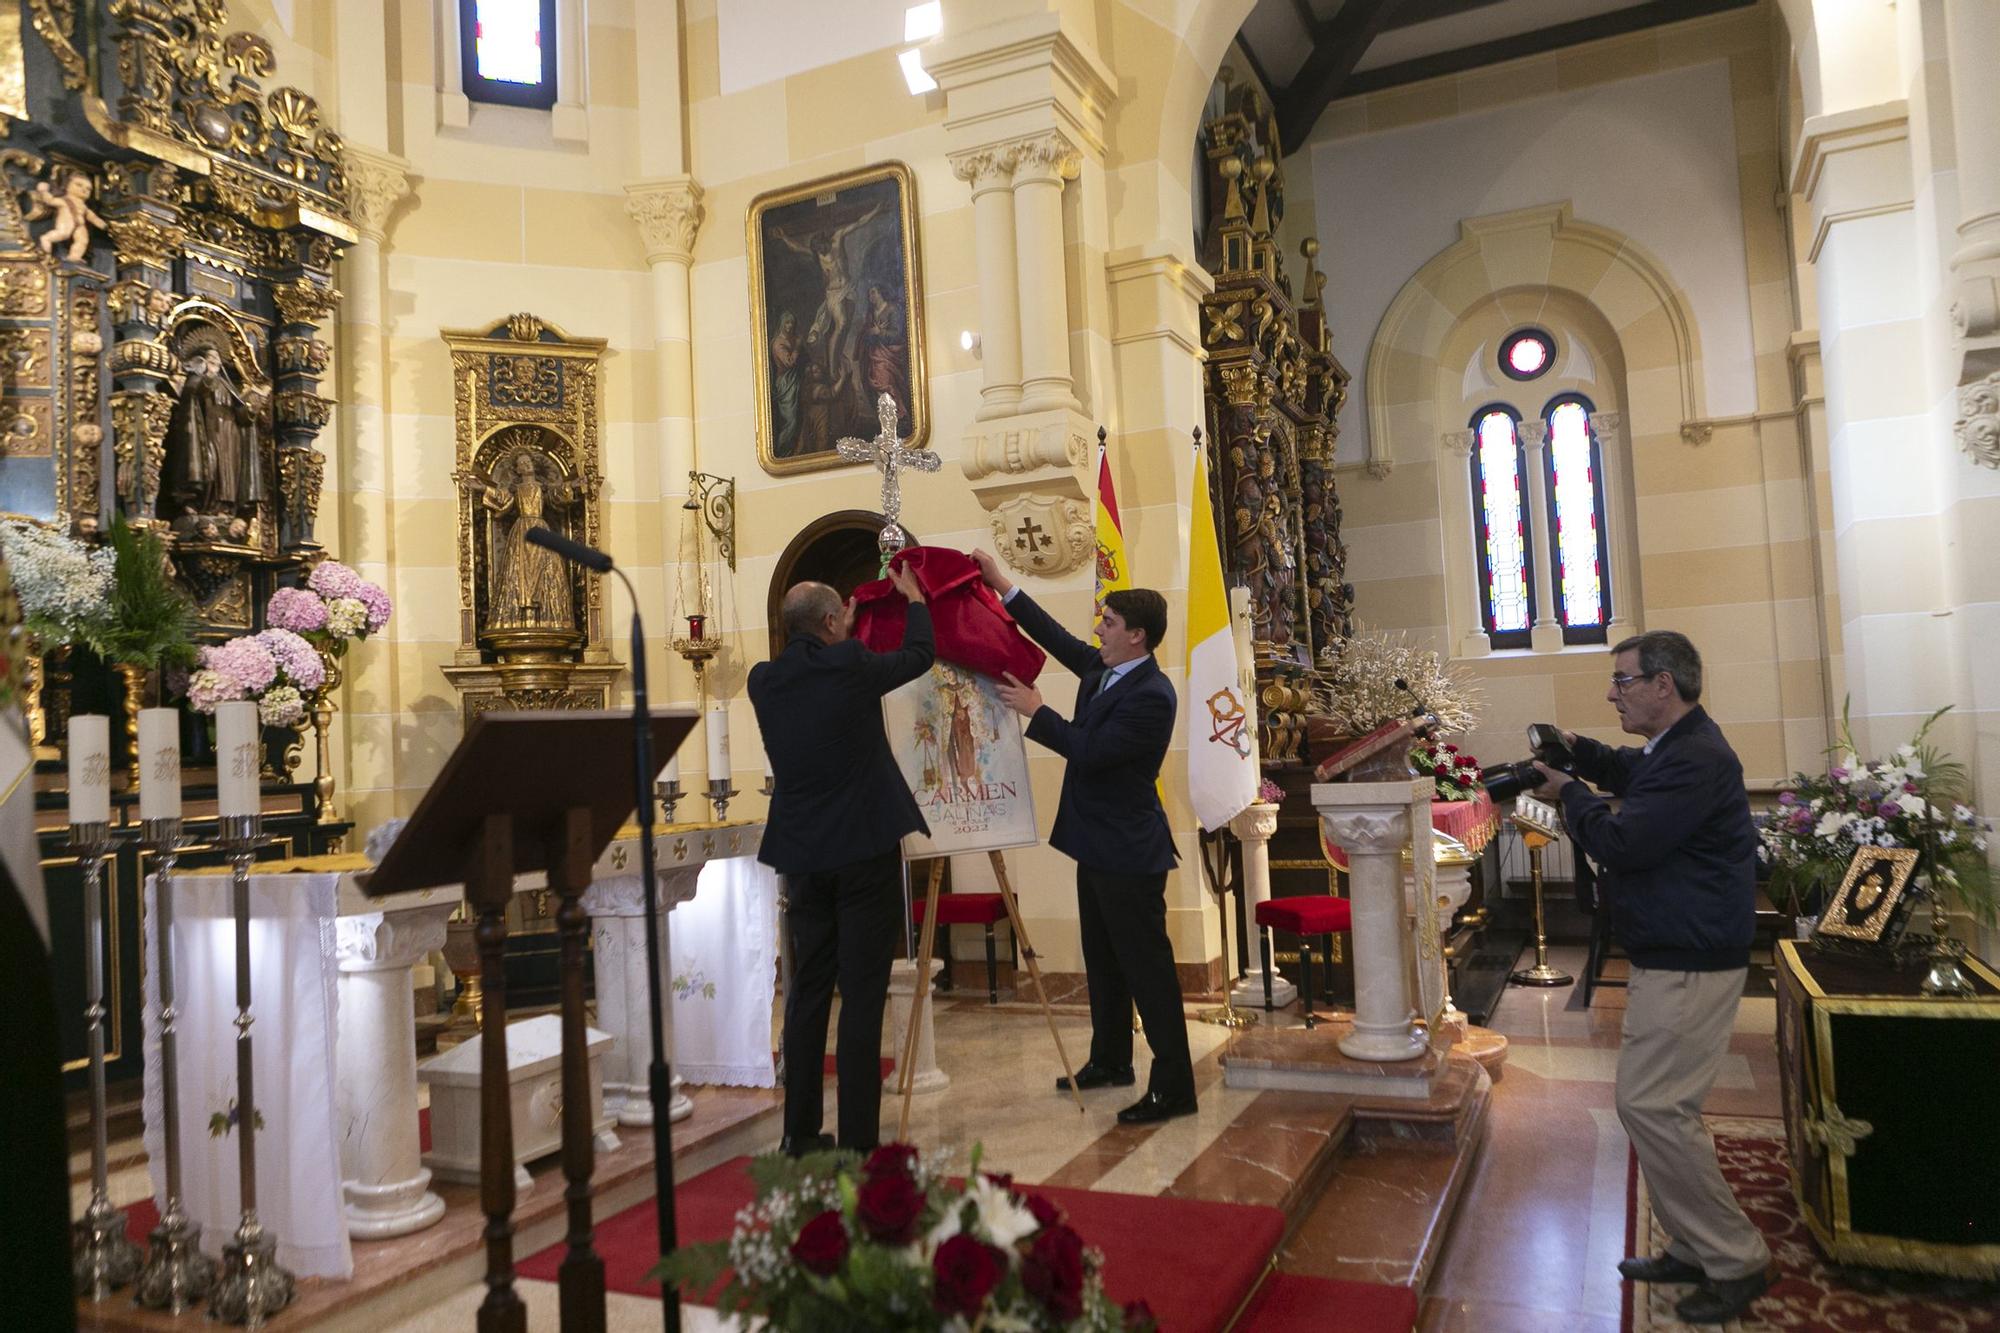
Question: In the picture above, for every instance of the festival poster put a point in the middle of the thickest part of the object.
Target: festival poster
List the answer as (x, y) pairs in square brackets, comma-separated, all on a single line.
[(962, 752)]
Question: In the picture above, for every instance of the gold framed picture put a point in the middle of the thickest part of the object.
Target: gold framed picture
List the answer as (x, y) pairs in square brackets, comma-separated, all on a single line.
[(1865, 904), (836, 315)]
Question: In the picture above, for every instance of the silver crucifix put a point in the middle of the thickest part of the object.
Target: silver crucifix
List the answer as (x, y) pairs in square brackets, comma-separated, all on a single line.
[(887, 452)]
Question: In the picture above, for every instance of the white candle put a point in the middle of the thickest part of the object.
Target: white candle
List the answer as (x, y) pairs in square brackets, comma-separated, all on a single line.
[(236, 762), (718, 743), (672, 772), (89, 769), (159, 763)]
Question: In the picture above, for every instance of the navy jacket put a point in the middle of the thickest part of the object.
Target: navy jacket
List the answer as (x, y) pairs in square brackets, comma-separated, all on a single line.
[(840, 798), (1680, 854), (1109, 817)]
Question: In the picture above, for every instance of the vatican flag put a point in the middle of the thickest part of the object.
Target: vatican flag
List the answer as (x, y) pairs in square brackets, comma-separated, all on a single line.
[(1222, 773)]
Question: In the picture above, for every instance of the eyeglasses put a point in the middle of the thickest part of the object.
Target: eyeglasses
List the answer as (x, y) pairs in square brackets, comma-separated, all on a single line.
[(1619, 682)]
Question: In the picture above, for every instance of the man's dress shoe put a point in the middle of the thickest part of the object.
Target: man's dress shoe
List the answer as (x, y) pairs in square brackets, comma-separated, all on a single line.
[(1660, 1268), (1098, 1076), (1153, 1107), (1719, 1300)]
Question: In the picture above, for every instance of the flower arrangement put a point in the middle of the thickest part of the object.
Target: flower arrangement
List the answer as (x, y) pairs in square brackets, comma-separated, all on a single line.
[(65, 587), (337, 607), (1270, 793), (150, 621), (1454, 773), (893, 1243), (1375, 677), (276, 667), (1916, 798)]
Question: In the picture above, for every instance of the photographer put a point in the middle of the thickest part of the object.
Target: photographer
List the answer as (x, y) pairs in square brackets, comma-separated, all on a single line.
[(1679, 857)]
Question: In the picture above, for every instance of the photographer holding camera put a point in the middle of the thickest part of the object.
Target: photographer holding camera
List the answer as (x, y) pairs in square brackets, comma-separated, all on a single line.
[(1680, 859)]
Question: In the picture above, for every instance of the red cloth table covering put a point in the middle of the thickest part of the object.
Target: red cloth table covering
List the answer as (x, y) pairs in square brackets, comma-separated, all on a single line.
[(973, 629), (1308, 914), (964, 909), (1472, 822)]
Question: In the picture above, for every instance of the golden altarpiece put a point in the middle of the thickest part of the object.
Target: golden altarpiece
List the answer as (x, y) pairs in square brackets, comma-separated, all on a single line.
[(169, 228), (531, 625)]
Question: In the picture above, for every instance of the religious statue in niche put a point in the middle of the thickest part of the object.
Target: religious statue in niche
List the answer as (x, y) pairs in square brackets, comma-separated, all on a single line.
[(838, 314), (213, 480), (529, 586)]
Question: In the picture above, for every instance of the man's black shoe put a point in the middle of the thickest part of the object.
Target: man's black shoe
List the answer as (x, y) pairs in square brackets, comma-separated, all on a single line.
[(1718, 1302), (1098, 1076), (811, 1144), (1154, 1107), (1660, 1268)]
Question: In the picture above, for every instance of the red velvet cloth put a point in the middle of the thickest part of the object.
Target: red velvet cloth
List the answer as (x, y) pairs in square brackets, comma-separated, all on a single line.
[(1290, 1301), (963, 909), (1308, 914), (1472, 822), (973, 629)]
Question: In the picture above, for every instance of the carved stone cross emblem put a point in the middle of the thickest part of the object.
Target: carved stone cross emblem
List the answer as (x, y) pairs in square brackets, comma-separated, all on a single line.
[(1030, 536), (889, 455)]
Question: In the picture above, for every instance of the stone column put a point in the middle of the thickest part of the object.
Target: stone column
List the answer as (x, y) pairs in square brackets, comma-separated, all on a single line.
[(1974, 46), (1546, 636), (896, 1029), (385, 1185), (1041, 166), (1610, 428), (1253, 828), (617, 908), (990, 173), (1464, 592), (1371, 822)]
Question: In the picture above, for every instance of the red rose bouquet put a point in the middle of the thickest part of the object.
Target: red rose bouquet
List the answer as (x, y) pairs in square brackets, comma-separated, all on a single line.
[(1455, 774), (893, 1242)]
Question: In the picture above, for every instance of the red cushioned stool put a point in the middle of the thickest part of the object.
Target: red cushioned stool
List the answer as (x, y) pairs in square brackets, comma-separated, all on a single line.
[(1306, 916), (972, 909)]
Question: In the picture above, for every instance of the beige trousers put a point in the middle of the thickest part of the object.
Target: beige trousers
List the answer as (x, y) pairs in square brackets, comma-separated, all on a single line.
[(1677, 1027)]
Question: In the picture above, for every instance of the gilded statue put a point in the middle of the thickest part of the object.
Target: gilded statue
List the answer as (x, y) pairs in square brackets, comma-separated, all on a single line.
[(528, 587), (214, 471)]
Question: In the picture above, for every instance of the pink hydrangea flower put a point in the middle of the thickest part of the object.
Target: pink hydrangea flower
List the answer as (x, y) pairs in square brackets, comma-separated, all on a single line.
[(331, 579), (244, 663), (206, 688), (296, 658), (377, 604), (296, 609), (346, 618)]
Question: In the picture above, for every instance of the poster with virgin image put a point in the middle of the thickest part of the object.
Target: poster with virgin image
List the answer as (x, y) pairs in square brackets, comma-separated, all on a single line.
[(962, 752)]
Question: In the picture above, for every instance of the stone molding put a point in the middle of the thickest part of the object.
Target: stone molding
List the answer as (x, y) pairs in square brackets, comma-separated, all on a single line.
[(1977, 429), (669, 214), (987, 168), (381, 941), (1853, 164), (1044, 535), (1049, 157), (1255, 823), (1032, 475), (1021, 77), (377, 185), (1377, 831), (1459, 442), (625, 895)]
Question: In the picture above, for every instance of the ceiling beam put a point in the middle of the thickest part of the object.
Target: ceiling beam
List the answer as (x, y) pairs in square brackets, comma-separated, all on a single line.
[(1338, 46)]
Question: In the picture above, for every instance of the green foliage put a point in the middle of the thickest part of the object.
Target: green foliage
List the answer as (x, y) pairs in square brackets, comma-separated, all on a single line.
[(152, 621)]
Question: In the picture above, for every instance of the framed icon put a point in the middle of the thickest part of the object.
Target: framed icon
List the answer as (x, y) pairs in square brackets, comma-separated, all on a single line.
[(1865, 904)]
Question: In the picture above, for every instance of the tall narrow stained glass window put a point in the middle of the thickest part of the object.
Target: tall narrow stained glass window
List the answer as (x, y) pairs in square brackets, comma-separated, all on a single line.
[(1577, 549), (1500, 513), (509, 49)]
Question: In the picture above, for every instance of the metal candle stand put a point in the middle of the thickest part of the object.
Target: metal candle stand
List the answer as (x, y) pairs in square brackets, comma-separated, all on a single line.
[(251, 1285), (104, 1259), (720, 792), (177, 1273), (669, 795)]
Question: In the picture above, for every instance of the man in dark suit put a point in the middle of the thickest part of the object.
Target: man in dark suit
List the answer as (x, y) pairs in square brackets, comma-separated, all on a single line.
[(1109, 821), (839, 811)]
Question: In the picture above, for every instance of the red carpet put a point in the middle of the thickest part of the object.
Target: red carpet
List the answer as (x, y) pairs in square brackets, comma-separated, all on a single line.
[(1289, 1302), (1810, 1295), (1193, 1262)]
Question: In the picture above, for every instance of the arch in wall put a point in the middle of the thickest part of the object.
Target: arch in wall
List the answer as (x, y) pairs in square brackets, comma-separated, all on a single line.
[(836, 549)]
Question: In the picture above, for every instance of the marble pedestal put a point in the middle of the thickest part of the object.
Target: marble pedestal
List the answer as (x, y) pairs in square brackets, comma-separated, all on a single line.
[(1253, 828), (617, 910), (384, 1185), (896, 1031), (534, 1080), (1372, 822)]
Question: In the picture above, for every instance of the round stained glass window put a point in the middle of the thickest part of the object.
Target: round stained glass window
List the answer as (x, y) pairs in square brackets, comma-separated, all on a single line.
[(1526, 354)]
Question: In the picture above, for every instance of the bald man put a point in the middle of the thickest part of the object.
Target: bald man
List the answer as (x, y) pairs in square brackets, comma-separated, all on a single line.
[(836, 827)]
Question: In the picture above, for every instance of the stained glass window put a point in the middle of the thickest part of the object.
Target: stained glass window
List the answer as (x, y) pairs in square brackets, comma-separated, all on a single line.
[(509, 51), (1576, 520), (1500, 513), (1526, 353)]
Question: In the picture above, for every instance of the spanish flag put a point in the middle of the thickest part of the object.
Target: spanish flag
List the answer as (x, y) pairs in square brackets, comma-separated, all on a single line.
[(1113, 572), (1222, 731)]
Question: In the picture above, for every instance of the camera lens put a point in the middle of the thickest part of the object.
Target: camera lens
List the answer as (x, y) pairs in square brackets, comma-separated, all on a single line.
[(1503, 782)]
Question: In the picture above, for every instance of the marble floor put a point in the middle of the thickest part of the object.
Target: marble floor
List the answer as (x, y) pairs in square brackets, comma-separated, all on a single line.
[(1535, 1239)]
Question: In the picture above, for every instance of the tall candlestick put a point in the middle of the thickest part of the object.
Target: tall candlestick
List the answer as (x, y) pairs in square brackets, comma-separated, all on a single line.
[(89, 769), (160, 763), (718, 743), (672, 772), (236, 766)]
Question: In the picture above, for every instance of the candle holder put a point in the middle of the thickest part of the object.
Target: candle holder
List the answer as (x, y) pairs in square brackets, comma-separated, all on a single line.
[(103, 1258), (251, 1285), (1945, 977), (770, 787), (669, 792), (177, 1273), (720, 792)]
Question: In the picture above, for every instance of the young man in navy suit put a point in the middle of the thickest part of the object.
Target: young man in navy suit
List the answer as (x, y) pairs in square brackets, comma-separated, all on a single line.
[(1109, 821), (839, 811)]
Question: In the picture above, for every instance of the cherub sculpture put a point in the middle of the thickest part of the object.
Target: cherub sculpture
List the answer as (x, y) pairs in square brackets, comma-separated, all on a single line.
[(71, 211)]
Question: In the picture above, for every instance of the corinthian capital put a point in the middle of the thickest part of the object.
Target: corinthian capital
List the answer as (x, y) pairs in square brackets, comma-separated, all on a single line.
[(377, 184), (668, 213), (987, 168), (1048, 156)]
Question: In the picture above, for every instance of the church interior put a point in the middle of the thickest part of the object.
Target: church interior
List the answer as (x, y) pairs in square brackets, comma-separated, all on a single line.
[(1419, 353)]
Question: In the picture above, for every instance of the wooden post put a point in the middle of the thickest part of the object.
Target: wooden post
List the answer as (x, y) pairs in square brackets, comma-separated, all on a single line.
[(1034, 971), (489, 882), (580, 1278)]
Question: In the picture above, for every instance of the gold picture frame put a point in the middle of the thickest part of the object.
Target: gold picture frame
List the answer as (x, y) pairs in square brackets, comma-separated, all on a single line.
[(836, 315), (1865, 903)]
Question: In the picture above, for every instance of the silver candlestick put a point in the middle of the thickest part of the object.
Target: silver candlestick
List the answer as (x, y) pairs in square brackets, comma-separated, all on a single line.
[(252, 1284), (770, 787), (104, 1258), (177, 1273), (669, 793), (720, 792)]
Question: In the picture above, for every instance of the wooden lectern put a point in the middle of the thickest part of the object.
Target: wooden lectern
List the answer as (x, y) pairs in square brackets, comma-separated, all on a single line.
[(525, 792)]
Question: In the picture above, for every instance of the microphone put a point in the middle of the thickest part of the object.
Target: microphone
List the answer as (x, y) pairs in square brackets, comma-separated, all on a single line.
[(588, 556)]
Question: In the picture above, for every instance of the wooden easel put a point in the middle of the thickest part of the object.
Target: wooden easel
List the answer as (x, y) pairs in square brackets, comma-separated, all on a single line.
[(906, 1083)]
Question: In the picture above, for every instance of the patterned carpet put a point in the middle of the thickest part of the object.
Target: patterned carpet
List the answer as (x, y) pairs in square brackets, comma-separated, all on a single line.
[(1811, 1295)]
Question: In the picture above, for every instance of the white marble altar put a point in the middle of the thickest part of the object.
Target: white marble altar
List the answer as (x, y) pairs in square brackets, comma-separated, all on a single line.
[(534, 1076), (1371, 821), (1253, 828)]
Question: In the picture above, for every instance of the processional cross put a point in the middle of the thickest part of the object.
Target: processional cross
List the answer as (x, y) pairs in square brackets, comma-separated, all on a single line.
[(889, 455)]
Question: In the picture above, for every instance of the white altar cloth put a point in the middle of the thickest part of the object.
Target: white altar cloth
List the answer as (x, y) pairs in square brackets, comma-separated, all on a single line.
[(293, 1000), (724, 949)]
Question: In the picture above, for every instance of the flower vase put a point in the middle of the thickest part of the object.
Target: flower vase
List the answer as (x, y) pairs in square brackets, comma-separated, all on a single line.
[(321, 701), (33, 679)]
